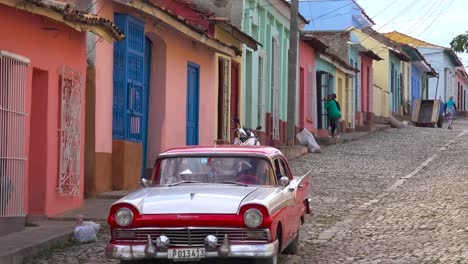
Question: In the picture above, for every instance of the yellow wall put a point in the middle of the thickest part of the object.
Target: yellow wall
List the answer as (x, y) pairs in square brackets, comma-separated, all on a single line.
[(225, 37), (381, 73), (340, 82)]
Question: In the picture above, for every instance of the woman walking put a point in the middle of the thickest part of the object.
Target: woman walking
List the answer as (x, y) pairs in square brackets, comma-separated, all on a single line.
[(333, 113), (450, 108)]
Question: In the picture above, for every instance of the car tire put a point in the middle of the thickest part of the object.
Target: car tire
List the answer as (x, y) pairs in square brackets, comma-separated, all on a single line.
[(293, 248)]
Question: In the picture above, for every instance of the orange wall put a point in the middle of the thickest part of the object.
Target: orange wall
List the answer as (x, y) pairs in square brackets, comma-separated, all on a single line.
[(168, 86), (48, 45)]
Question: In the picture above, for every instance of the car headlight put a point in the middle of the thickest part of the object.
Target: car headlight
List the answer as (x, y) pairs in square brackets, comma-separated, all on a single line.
[(253, 218), (124, 216)]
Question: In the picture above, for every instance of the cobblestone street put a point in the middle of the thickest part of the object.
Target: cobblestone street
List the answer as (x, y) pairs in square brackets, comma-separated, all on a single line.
[(396, 196)]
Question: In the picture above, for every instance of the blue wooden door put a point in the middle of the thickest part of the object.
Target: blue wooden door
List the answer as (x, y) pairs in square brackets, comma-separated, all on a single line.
[(193, 101), (131, 83)]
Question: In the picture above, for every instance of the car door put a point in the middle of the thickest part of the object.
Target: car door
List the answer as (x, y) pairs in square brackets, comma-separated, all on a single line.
[(287, 194)]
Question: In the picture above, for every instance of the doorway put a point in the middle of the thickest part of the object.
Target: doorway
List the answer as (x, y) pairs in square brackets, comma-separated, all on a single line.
[(193, 101)]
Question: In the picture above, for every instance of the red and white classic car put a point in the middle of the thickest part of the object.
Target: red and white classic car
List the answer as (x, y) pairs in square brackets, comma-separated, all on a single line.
[(212, 202)]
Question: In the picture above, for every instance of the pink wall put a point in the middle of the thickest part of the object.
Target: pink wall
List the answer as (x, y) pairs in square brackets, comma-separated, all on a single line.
[(48, 50), (104, 86), (307, 61), (168, 87), (366, 84)]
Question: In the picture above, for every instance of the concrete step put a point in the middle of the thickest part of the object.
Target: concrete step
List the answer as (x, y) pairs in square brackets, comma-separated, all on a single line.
[(17, 246)]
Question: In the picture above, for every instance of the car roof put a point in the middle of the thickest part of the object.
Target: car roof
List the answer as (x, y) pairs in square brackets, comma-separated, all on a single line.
[(224, 149)]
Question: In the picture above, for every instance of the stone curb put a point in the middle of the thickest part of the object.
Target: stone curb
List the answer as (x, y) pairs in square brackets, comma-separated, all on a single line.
[(30, 249)]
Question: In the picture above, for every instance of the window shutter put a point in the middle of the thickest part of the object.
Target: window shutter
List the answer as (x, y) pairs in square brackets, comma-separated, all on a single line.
[(118, 107), (129, 79)]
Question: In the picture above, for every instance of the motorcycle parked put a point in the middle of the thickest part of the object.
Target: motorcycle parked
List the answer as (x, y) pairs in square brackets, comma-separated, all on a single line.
[(245, 136)]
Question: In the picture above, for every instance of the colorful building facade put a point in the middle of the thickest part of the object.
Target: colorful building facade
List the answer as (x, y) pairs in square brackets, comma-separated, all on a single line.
[(163, 90), (443, 60), (42, 102), (264, 76)]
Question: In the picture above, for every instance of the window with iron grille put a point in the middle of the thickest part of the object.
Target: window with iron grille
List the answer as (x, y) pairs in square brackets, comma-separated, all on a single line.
[(129, 88), (275, 87), (12, 132)]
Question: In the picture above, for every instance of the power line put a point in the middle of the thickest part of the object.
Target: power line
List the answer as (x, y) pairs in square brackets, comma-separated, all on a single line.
[(445, 9), (399, 14), (334, 10), (414, 26)]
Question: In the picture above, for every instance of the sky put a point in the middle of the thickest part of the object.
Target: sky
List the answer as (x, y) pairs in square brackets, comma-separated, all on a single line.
[(434, 21)]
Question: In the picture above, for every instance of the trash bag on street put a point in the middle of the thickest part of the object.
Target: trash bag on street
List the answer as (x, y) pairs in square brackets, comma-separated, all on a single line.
[(394, 123), (306, 138), (86, 231)]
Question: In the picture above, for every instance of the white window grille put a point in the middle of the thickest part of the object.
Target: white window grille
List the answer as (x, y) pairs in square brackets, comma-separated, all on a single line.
[(275, 88), (70, 133), (12, 133)]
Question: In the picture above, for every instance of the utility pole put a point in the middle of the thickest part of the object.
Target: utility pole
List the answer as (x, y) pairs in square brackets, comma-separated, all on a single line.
[(292, 71)]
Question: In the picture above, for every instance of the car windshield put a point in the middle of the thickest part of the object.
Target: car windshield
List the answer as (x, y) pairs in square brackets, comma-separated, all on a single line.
[(214, 169)]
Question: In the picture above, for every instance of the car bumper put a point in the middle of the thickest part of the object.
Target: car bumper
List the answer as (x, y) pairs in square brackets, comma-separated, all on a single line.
[(128, 252)]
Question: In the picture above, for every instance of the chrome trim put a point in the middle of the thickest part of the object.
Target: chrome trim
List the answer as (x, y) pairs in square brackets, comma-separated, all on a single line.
[(128, 252), (188, 236)]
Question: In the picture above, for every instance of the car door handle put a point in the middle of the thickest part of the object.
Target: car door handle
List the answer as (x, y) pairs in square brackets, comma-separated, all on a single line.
[(300, 186)]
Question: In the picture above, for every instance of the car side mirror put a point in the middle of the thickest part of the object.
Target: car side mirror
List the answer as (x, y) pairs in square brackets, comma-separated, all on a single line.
[(284, 181), (144, 183), (259, 128)]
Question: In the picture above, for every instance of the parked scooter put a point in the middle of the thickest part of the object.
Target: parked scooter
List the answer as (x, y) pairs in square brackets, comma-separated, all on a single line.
[(245, 136)]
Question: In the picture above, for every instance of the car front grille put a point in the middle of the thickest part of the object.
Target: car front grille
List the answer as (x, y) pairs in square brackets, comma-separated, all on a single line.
[(194, 237)]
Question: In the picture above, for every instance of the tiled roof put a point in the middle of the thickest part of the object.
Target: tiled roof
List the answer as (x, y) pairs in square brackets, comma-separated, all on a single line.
[(189, 14), (405, 39), (372, 55), (339, 61), (314, 42), (85, 21)]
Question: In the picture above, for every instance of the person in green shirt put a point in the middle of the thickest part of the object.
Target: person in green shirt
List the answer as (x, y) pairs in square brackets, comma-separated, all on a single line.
[(450, 108), (334, 114)]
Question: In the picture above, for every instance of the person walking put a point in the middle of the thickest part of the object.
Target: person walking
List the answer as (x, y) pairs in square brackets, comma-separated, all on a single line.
[(334, 113), (450, 108)]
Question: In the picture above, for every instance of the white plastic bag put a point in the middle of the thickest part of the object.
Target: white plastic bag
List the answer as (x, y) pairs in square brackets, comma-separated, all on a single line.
[(86, 231), (306, 138)]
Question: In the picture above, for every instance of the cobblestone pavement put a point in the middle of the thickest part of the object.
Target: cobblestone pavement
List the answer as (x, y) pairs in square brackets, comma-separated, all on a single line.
[(396, 196)]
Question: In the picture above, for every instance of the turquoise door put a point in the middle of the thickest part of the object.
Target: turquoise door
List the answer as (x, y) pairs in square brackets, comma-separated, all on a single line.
[(193, 103)]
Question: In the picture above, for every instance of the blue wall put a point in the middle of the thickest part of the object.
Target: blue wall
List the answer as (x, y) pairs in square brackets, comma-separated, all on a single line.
[(331, 15), (415, 84)]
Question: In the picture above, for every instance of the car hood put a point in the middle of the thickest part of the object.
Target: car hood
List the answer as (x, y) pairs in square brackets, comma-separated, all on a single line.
[(189, 199)]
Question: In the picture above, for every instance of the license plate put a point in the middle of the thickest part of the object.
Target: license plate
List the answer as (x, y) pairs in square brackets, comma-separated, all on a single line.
[(186, 253)]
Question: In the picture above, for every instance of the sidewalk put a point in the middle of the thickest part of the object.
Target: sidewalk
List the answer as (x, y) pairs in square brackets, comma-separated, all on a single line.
[(349, 137), (58, 230)]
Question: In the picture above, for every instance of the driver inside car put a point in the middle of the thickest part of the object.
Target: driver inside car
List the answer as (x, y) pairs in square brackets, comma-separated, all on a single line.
[(257, 173)]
